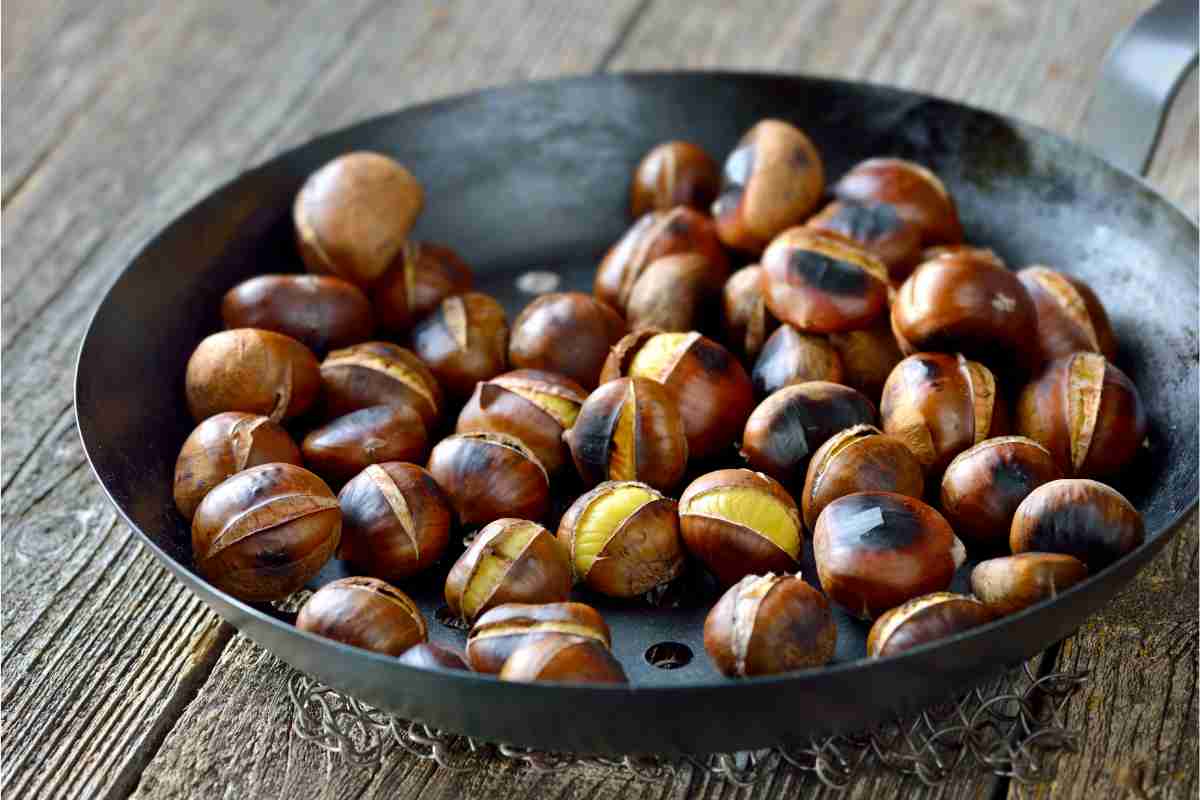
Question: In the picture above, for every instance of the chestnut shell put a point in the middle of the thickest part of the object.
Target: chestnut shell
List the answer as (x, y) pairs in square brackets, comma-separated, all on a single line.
[(366, 613), (563, 658), (251, 370), (420, 277), (924, 619), (1007, 585), (501, 631), (1078, 517), (569, 333), (463, 342), (487, 476), (673, 174), (320, 311), (345, 446)]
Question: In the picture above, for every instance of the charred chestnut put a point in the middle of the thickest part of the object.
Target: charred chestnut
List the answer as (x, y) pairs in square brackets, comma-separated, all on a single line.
[(868, 356), (1070, 317), (679, 292), (251, 370), (503, 630), (420, 277), (924, 619), (790, 356), (463, 342), (487, 476), (745, 321), (916, 194), (366, 613), (320, 311), (1007, 585), (563, 658), (345, 446), (875, 227), (674, 174), (427, 655), (1077, 517), (379, 373), (858, 459), (566, 332)]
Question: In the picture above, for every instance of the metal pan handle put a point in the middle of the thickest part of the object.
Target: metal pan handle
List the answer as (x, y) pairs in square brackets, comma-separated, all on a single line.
[(1140, 77)]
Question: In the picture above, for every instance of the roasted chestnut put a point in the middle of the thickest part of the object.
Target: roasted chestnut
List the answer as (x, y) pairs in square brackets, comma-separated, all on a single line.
[(969, 250), (875, 550), (623, 538), (630, 429), (790, 356), (1070, 317), (503, 630), (858, 459), (1077, 517), (740, 523), (674, 174), (983, 486), (379, 373), (821, 283), (787, 428), (565, 332), (395, 521), (427, 655), (924, 619), (868, 356), (916, 194), (320, 311), (537, 407), (1007, 585), (463, 342), (353, 215), (711, 387), (766, 624), (265, 532), (345, 446), (1086, 412), (487, 476), (510, 561), (223, 445), (962, 303), (675, 293), (251, 370), (877, 228), (745, 321), (420, 277), (939, 405), (366, 613), (563, 658), (772, 180)]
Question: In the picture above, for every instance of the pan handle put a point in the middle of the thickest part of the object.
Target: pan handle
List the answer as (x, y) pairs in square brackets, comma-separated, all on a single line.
[(1140, 77)]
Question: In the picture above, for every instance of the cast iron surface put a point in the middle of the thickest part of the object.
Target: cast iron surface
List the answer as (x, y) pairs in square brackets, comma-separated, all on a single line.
[(535, 177)]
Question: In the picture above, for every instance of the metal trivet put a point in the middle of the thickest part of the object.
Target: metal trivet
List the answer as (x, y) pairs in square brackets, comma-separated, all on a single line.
[(1016, 734)]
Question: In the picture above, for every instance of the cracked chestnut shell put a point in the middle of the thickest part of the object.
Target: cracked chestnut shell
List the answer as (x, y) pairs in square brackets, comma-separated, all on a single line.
[(1086, 412), (254, 371), (745, 321), (565, 332), (875, 550), (680, 292), (395, 521), (427, 655), (772, 180), (501, 631), (510, 561), (1077, 517), (673, 174), (913, 191), (1070, 317), (877, 228), (463, 342), (868, 356), (420, 277), (364, 612), (623, 539), (320, 311), (766, 624), (353, 215), (344, 446), (1007, 585), (790, 356), (487, 476), (265, 532), (224, 445), (563, 658), (924, 619), (379, 373)]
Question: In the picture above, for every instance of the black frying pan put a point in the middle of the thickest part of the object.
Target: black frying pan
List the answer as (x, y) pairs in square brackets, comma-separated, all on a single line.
[(535, 177)]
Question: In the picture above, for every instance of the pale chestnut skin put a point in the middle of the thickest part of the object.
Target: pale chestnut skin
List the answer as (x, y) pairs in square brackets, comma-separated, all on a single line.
[(924, 619), (790, 356), (745, 321), (366, 613), (254, 371), (1070, 316), (1077, 517), (320, 311), (916, 195), (501, 631), (379, 373), (569, 333), (427, 655), (673, 174), (420, 277), (1009, 584), (876, 227), (563, 658), (487, 476), (344, 446), (463, 342)]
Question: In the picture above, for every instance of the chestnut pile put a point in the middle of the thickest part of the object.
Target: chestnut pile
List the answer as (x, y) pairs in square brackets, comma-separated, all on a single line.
[(830, 363)]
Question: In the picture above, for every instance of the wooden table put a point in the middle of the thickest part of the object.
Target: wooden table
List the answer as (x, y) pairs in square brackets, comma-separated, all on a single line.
[(119, 115)]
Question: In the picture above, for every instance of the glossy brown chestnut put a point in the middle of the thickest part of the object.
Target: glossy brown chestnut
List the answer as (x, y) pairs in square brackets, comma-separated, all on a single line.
[(563, 658), (790, 425), (379, 373), (510, 561), (877, 228), (320, 311), (938, 405), (395, 521), (740, 523), (535, 406), (772, 180), (1086, 412), (1070, 317), (630, 429), (675, 293), (658, 234), (501, 631), (711, 387), (353, 215), (1007, 585), (983, 486), (790, 356), (969, 250), (858, 459), (487, 476), (463, 342), (251, 370), (765, 624), (1077, 517), (427, 655), (224, 445), (420, 277), (745, 321), (265, 532), (924, 619), (820, 283), (623, 539), (565, 332), (366, 613), (875, 550), (674, 174), (868, 357), (915, 193), (345, 446)]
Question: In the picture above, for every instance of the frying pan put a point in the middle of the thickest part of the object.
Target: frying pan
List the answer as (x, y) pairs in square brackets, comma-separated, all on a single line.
[(534, 177)]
